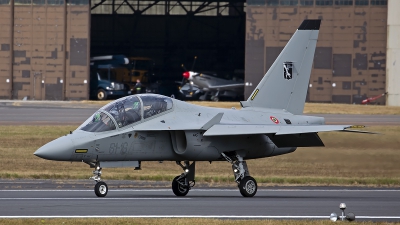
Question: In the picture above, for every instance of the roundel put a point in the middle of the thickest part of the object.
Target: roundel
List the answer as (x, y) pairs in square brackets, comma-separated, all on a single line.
[(274, 119)]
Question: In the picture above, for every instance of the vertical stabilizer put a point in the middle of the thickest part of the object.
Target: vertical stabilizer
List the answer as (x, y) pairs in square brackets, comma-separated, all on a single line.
[(285, 84)]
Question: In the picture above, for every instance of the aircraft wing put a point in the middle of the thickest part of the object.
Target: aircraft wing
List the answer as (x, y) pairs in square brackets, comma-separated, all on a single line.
[(180, 122), (244, 129), (225, 86)]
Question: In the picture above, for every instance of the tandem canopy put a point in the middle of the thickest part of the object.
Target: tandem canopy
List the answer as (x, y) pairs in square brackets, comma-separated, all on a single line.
[(126, 111)]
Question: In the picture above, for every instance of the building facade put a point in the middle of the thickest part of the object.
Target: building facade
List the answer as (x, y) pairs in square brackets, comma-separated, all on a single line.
[(45, 44), (44, 49), (350, 58)]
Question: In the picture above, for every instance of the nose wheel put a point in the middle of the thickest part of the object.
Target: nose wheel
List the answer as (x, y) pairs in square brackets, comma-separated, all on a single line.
[(101, 189)]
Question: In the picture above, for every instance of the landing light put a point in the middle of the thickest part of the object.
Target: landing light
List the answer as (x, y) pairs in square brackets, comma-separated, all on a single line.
[(342, 206), (187, 170)]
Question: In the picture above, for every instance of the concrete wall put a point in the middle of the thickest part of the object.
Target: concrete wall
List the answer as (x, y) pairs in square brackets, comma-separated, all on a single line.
[(44, 51), (350, 59), (6, 47), (393, 53)]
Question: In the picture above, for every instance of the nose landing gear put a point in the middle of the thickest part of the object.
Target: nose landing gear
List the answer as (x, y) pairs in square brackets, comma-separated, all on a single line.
[(183, 183), (101, 188), (247, 185)]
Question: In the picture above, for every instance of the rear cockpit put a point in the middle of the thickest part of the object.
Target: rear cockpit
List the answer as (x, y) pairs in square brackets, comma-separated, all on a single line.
[(127, 111)]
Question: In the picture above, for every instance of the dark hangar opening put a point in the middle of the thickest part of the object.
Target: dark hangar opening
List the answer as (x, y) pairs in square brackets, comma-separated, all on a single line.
[(172, 33)]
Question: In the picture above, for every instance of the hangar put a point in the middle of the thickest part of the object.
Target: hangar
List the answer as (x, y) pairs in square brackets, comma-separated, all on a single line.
[(45, 45)]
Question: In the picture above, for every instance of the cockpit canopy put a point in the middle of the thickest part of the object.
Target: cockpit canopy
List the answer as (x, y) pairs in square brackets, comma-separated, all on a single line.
[(126, 111)]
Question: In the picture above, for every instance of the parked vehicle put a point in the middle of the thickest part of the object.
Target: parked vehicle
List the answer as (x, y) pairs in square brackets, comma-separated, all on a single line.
[(136, 68), (103, 77)]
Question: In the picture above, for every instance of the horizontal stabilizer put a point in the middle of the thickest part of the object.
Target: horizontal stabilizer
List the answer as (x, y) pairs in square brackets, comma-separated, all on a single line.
[(226, 86)]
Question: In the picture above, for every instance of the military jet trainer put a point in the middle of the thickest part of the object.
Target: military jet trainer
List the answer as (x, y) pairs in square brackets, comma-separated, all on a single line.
[(149, 127)]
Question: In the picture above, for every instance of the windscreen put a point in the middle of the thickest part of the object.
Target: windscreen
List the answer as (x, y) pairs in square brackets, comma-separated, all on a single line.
[(100, 122), (103, 74)]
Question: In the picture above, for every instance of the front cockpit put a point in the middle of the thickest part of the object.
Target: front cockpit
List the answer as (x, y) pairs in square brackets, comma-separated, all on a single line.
[(127, 111)]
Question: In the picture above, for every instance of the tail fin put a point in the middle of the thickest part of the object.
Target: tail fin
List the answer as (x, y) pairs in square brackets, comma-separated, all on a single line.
[(285, 84)]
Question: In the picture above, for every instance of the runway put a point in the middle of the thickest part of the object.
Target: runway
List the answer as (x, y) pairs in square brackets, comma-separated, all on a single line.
[(269, 203), (67, 113)]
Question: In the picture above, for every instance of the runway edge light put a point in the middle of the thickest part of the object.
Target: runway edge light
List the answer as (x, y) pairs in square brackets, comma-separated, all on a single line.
[(349, 217)]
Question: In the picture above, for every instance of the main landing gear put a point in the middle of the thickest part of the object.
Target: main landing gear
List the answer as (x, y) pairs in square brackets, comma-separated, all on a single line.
[(183, 183), (100, 189), (247, 184)]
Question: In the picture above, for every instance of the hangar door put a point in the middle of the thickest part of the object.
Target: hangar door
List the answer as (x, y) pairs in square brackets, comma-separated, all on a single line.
[(172, 33)]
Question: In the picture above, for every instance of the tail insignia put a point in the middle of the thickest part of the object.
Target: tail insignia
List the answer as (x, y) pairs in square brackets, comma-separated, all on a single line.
[(287, 70)]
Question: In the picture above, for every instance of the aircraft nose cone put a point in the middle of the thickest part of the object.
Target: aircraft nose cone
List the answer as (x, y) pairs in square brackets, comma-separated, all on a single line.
[(60, 149)]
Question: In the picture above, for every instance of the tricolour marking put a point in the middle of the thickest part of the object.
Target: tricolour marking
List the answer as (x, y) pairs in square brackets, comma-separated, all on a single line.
[(254, 94), (196, 216), (81, 151), (274, 119)]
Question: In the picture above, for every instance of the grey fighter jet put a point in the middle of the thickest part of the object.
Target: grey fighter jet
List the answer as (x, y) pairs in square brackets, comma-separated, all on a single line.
[(149, 127)]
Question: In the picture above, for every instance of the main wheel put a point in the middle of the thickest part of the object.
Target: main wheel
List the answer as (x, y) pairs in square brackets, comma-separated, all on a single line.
[(101, 189), (101, 94), (179, 189), (248, 187)]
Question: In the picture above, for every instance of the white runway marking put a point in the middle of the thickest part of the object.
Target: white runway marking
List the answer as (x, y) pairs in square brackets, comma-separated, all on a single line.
[(213, 190), (94, 198), (20, 182), (198, 216)]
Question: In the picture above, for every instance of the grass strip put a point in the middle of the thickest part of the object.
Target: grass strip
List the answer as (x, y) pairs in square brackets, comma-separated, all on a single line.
[(347, 159)]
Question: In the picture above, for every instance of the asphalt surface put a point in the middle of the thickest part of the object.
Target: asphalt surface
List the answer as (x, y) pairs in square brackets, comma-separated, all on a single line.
[(75, 113), (46, 199)]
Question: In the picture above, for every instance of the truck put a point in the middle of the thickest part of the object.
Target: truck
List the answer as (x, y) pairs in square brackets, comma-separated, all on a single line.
[(137, 68), (104, 83)]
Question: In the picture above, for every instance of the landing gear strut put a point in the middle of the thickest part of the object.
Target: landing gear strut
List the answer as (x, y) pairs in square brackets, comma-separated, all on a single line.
[(247, 185), (100, 189), (183, 183)]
